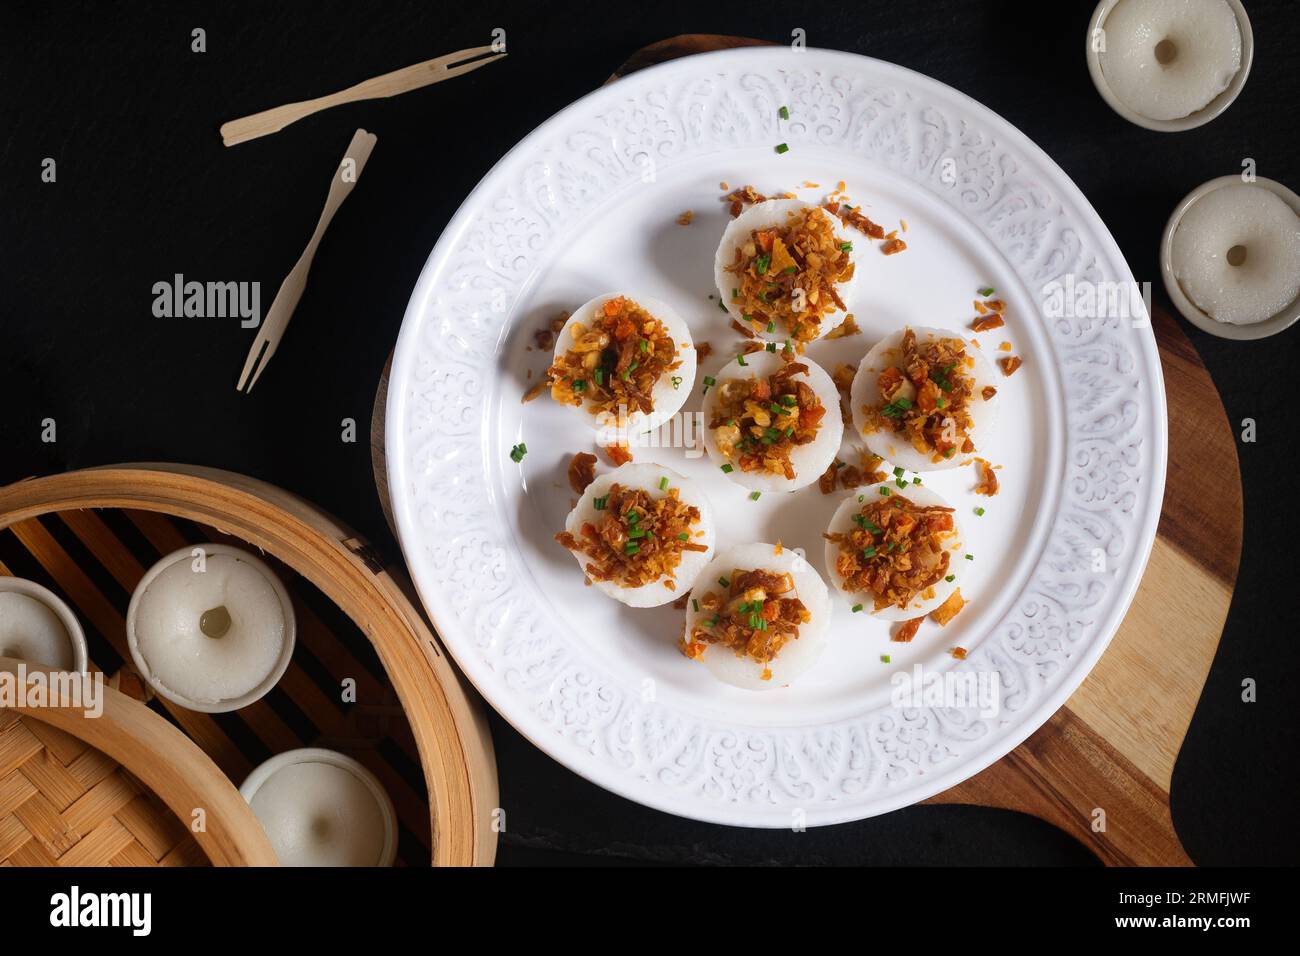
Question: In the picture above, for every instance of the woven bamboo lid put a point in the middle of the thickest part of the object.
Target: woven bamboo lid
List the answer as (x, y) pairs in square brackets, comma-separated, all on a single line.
[(120, 788)]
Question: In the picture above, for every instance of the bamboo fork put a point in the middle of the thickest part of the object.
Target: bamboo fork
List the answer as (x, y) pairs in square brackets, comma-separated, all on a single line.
[(291, 289), (390, 84)]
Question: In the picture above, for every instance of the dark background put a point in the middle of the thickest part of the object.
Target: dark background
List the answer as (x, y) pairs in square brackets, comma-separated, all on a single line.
[(145, 189)]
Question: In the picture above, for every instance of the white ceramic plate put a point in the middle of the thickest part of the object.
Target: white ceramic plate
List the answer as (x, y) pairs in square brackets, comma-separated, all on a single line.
[(587, 203)]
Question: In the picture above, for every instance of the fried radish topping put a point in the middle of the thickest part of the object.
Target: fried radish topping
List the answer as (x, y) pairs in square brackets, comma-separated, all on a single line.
[(759, 422), (614, 362), (637, 539), (927, 396), (787, 276), (896, 551), (755, 613)]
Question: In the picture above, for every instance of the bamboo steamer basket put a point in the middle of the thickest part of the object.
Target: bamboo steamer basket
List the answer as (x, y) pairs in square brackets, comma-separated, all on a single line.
[(449, 727), (123, 788)]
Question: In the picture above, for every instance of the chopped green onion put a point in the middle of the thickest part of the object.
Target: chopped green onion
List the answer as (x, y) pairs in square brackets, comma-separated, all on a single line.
[(723, 582), (789, 270), (720, 305), (683, 537), (898, 473), (884, 492), (517, 452), (979, 512), (753, 495), (663, 483), (857, 608), (735, 293), (986, 291), (601, 502), (950, 578), (869, 551), (631, 548), (784, 113), (741, 360), (782, 148), (727, 469), (600, 376), (580, 385), (970, 557), (884, 658), (846, 247), (753, 621), (637, 533), (771, 327), (645, 346), (901, 482), (771, 346), (695, 604), (677, 382), (761, 264)]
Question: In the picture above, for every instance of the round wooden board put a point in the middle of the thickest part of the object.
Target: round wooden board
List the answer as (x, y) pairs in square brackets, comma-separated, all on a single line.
[(1112, 747)]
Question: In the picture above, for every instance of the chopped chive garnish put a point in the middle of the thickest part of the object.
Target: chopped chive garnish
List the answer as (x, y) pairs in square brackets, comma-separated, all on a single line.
[(857, 608), (916, 480), (683, 537), (784, 112), (901, 482), (986, 291), (677, 382), (869, 551), (721, 306), (771, 326), (789, 401), (601, 502), (631, 548), (637, 533), (950, 578), (884, 492), (753, 495), (884, 658), (782, 148), (741, 360), (663, 483), (979, 512), (723, 582), (789, 431), (761, 264), (735, 293), (517, 452), (727, 469), (898, 473), (713, 622), (645, 346), (950, 452), (600, 376), (846, 247), (695, 605), (753, 621), (970, 557), (771, 346)]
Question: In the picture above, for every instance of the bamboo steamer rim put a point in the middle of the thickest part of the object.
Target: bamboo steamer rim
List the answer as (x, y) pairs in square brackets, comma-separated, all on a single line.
[(449, 727), (184, 779)]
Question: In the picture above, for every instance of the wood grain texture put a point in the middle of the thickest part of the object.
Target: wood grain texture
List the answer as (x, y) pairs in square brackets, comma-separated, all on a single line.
[(114, 789), (450, 738), (1112, 747)]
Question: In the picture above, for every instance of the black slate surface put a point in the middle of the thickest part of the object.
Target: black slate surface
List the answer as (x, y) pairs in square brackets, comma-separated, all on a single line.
[(145, 189)]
